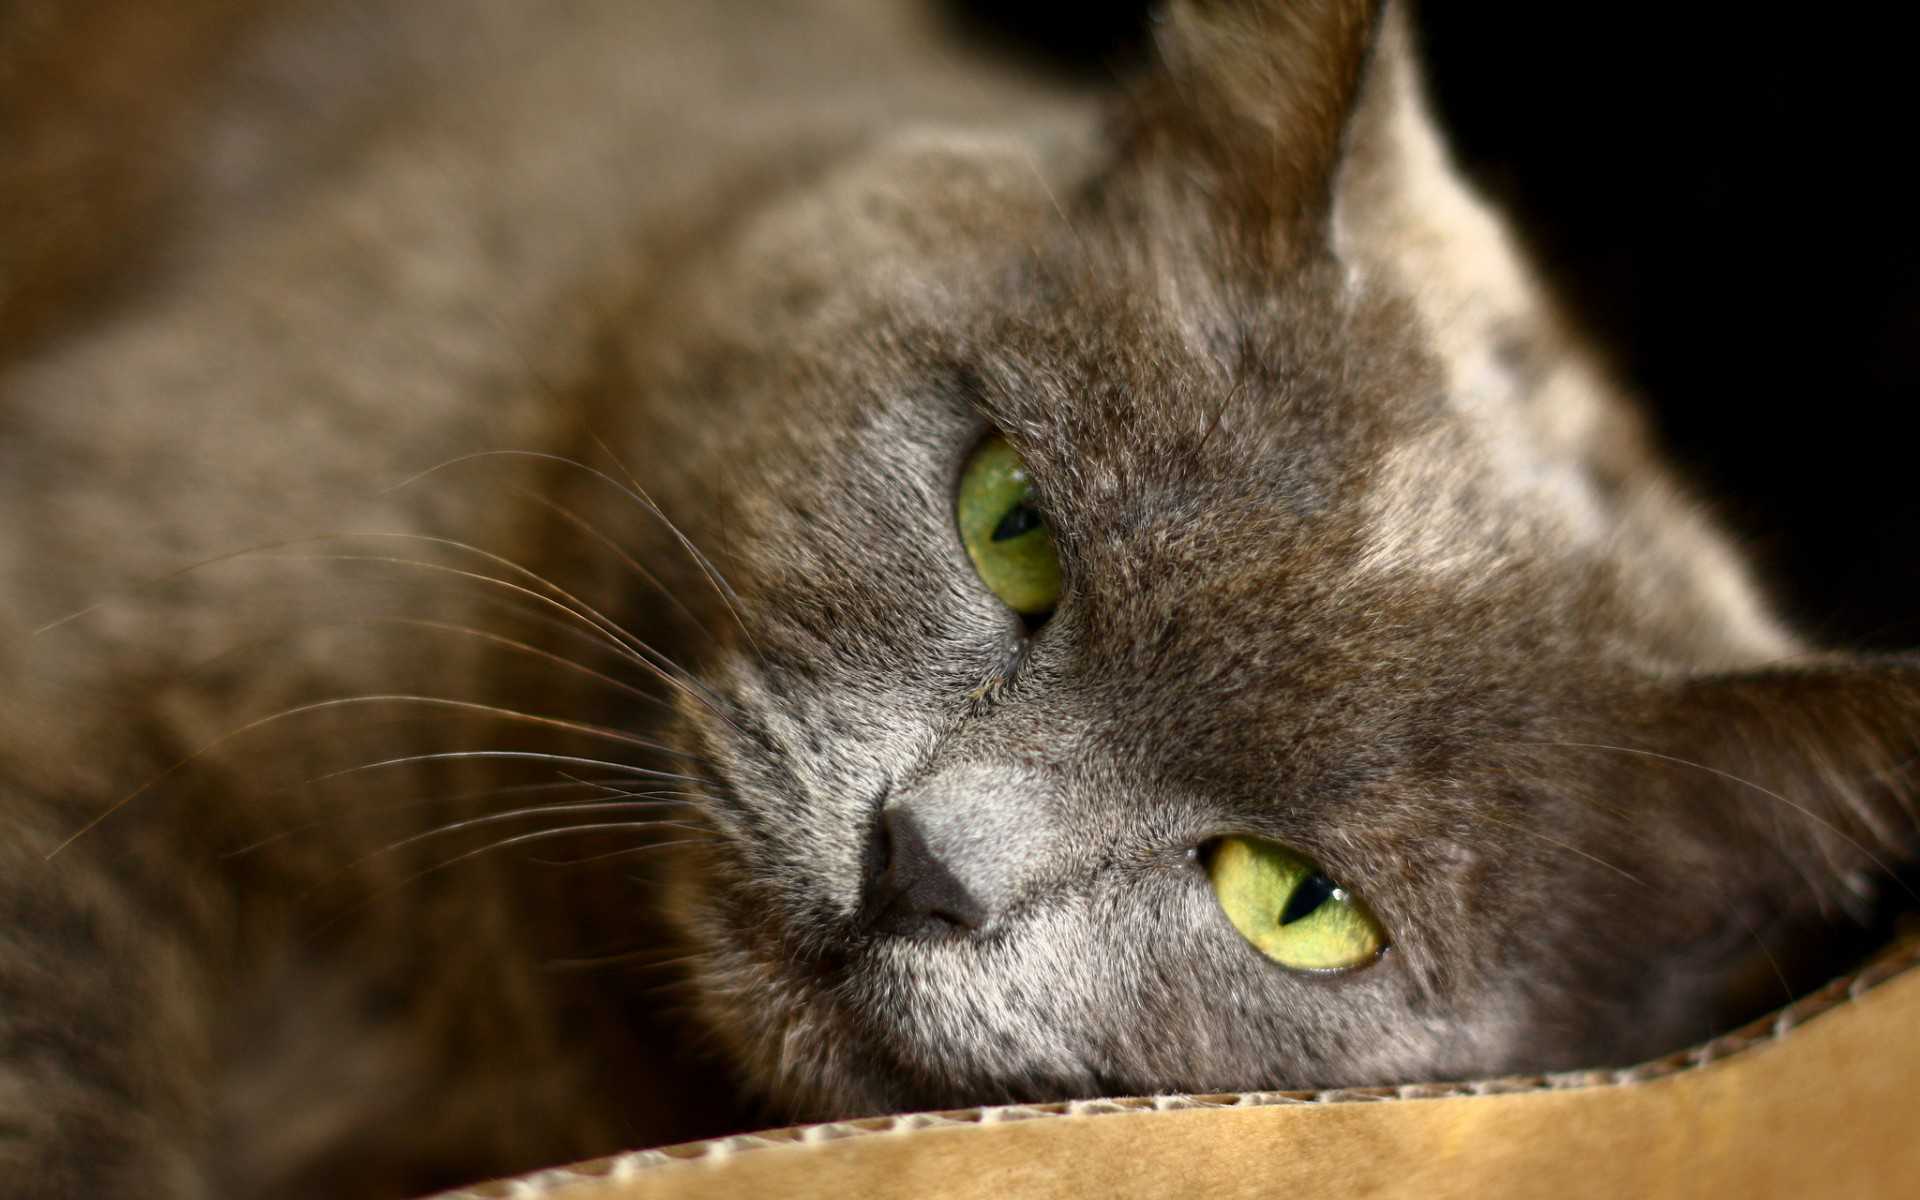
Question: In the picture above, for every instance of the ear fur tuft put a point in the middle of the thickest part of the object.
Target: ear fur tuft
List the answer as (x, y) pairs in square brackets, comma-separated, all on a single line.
[(1817, 762), (1252, 104)]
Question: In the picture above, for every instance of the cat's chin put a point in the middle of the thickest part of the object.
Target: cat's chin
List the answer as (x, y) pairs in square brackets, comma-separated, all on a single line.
[(787, 1025), (863, 1024), (855, 1025), (827, 1028)]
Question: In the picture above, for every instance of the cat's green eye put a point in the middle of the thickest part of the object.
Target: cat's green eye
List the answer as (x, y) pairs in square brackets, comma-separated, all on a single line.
[(1289, 909), (1005, 535)]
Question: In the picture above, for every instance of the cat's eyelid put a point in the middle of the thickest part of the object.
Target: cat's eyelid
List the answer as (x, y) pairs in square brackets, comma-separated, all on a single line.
[(985, 418), (975, 397)]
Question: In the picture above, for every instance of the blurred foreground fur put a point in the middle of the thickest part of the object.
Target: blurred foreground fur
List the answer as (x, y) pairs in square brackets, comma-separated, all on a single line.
[(478, 577)]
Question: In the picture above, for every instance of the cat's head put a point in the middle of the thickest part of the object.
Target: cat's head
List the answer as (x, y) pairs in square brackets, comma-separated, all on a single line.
[(1377, 632)]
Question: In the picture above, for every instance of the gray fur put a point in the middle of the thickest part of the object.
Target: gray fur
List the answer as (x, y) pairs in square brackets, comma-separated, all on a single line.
[(1362, 555)]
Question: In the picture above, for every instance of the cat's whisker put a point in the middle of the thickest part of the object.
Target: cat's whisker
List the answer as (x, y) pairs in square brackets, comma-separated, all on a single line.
[(547, 585), (701, 800), (536, 810), (628, 560), (622, 853), (1516, 827), (157, 581), (637, 772), (586, 426), (645, 958), (610, 633), (1727, 902), (1545, 781), (510, 643), (566, 401), (674, 984), (1060, 210), (635, 651), (559, 660), (566, 602), (1218, 419), (380, 810), (634, 490), (493, 847), (926, 45), (1884, 868), (466, 706), (1241, 372), (586, 639), (637, 494), (1766, 951), (612, 787)]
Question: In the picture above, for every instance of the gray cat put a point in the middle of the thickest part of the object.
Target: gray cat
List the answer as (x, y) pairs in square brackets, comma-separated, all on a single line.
[(550, 544)]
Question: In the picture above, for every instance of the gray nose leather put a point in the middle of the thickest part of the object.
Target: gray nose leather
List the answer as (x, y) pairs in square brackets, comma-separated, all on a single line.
[(955, 851)]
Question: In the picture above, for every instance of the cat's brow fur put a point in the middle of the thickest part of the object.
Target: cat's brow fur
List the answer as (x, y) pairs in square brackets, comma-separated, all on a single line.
[(563, 404)]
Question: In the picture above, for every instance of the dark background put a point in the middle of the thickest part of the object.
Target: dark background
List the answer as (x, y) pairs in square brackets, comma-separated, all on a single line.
[(1721, 200)]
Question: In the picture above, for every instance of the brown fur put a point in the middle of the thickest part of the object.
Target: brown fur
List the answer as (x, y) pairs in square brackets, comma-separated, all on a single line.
[(688, 313), (99, 100)]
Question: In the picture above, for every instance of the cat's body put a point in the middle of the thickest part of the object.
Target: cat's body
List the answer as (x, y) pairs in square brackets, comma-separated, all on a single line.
[(1361, 557)]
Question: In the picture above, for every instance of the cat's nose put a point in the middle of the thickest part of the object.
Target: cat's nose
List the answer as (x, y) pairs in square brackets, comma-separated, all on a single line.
[(909, 889), (965, 844)]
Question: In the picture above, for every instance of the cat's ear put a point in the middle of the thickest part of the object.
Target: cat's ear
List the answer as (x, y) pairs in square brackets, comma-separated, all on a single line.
[(1253, 102), (1767, 822), (1816, 767)]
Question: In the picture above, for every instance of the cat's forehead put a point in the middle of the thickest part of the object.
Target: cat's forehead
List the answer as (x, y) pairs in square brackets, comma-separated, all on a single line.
[(1151, 374), (1314, 423), (1084, 328), (1175, 411), (1113, 338)]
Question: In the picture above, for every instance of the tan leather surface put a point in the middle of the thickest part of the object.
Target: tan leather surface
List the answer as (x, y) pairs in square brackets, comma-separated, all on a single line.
[(1828, 1109)]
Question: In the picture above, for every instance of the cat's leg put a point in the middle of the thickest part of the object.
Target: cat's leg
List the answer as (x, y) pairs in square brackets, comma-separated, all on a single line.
[(103, 1019), (170, 1032)]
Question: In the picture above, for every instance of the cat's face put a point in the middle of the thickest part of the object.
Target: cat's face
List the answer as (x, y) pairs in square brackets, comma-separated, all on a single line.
[(1354, 560)]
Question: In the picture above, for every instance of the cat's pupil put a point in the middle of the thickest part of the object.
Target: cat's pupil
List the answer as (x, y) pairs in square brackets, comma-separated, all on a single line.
[(1022, 518), (1313, 891)]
